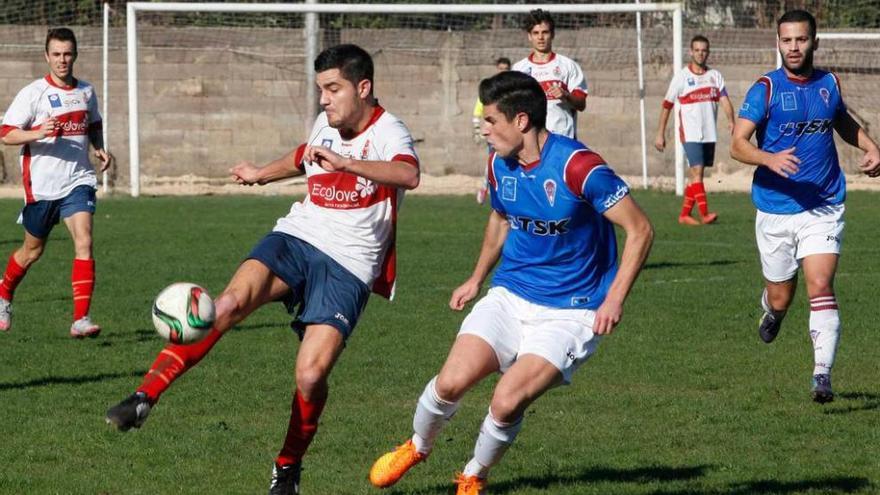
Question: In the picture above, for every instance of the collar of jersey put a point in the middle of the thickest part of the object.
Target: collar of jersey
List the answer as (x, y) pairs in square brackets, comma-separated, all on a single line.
[(532, 59), (52, 83), (377, 112)]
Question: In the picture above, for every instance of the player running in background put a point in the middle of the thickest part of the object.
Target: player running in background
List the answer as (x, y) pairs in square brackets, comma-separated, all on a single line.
[(54, 119), (502, 64), (798, 186), (698, 89), (558, 287), (561, 77), (322, 259)]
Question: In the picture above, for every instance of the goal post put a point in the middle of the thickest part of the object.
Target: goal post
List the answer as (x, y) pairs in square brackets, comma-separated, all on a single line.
[(134, 8)]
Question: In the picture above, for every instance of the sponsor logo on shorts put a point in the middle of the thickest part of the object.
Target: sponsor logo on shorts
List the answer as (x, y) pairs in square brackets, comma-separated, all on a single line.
[(570, 355), (832, 238), (341, 317)]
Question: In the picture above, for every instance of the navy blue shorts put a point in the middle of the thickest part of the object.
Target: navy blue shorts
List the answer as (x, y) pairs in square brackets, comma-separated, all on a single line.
[(700, 154), (40, 217), (321, 290)]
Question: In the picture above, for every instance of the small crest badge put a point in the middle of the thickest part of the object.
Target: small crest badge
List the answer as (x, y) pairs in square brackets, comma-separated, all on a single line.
[(825, 94), (550, 191), (365, 151), (327, 143)]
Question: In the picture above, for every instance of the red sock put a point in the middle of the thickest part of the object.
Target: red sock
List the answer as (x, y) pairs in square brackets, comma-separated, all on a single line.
[(13, 275), (82, 277), (688, 203), (700, 196), (173, 361), (303, 425)]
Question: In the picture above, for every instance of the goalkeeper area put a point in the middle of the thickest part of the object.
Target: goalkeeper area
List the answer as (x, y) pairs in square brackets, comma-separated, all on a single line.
[(684, 398), (214, 88)]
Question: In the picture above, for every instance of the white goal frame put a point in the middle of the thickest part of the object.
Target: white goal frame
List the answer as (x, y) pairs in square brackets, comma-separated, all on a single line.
[(310, 7)]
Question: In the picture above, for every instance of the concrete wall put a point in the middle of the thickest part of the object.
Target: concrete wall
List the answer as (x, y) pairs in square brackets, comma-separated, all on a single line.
[(209, 97)]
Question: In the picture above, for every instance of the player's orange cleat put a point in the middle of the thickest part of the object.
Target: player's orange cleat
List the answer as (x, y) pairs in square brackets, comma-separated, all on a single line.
[(710, 218), (688, 220), (469, 485), (389, 468)]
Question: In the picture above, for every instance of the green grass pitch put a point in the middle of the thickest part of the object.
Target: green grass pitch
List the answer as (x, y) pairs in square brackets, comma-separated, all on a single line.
[(682, 399)]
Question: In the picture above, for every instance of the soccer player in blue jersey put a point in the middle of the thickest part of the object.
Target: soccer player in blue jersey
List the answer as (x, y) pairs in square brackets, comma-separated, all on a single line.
[(798, 186), (558, 287)]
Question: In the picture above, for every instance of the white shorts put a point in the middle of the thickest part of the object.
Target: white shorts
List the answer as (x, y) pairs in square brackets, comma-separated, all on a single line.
[(784, 240), (513, 326)]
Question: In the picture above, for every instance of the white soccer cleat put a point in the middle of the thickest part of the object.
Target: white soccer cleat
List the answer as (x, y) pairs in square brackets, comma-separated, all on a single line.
[(5, 315), (84, 327)]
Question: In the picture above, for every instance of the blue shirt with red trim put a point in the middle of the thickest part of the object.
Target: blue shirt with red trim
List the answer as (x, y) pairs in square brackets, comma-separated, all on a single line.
[(560, 250), (790, 113)]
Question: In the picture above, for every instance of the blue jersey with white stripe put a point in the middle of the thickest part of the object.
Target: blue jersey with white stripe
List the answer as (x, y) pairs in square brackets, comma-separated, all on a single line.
[(790, 113), (560, 250)]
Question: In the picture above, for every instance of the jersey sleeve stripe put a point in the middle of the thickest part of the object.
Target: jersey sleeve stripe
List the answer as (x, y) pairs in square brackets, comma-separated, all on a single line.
[(668, 104), (578, 168), (579, 92), (490, 171), (409, 159), (6, 129), (298, 157), (769, 83)]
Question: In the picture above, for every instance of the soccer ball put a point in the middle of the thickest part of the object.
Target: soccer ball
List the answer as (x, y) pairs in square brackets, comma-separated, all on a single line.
[(183, 313)]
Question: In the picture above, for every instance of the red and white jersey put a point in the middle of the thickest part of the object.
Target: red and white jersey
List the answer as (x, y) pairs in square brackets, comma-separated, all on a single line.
[(698, 96), (350, 218), (560, 71), (53, 166)]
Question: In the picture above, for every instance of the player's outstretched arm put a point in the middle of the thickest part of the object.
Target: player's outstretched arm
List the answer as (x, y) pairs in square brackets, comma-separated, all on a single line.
[(639, 237), (784, 163), (851, 132), (248, 174), (493, 240), (390, 173)]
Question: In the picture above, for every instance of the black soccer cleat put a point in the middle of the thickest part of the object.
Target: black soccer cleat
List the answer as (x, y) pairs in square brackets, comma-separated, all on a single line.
[(768, 327), (821, 391), (285, 479), (130, 413)]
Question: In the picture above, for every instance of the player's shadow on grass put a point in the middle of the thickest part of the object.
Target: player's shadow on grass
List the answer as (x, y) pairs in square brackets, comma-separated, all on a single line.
[(679, 264), (556, 483), (839, 484), (852, 402), (49, 381)]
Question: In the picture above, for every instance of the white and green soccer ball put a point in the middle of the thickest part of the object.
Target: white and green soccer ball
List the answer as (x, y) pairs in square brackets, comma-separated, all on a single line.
[(183, 313)]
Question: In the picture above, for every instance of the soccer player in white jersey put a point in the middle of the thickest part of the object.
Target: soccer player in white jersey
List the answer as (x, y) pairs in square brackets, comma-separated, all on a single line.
[(699, 89), (557, 289), (54, 119), (561, 77), (322, 259), (798, 187)]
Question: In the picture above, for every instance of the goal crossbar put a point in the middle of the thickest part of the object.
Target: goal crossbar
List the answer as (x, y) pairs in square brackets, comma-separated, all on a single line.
[(133, 8)]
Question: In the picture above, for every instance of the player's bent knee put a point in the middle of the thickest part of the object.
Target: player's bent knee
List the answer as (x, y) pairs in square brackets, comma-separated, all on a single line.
[(451, 386), (506, 409), (311, 380)]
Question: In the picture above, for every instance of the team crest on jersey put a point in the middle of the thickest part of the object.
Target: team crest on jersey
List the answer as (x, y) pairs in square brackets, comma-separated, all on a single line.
[(557, 71), (691, 81), (789, 102), (365, 151), (365, 187), (550, 191), (825, 94), (508, 188), (55, 101), (327, 143)]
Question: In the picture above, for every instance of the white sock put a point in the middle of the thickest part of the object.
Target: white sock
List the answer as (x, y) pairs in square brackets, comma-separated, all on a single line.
[(824, 331), (494, 439), (432, 414)]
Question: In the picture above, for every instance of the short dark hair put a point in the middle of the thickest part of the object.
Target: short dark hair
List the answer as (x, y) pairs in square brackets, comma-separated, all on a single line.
[(798, 16), (60, 34), (699, 39), (538, 16), (503, 60), (353, 62), (515, 92)]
